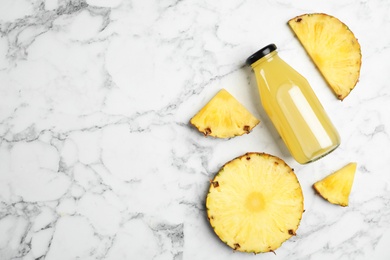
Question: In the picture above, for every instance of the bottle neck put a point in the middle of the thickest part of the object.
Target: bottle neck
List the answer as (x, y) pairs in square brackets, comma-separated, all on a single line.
[(267, 58)]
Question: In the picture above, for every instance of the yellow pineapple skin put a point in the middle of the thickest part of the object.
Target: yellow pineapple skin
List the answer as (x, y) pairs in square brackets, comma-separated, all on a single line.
[(333, 48), (255, 203), (337, 186), (224, 117)]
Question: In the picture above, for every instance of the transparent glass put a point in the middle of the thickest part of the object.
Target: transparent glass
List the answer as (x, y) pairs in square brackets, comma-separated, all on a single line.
[(294, 109)]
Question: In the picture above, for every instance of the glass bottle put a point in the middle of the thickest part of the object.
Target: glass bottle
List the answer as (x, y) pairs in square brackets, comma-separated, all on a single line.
[(293, 107)]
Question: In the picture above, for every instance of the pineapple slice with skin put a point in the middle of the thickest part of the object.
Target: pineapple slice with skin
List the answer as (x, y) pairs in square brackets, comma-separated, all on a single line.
[(255, 203), (224, 117), (333, 48), (337, 186)]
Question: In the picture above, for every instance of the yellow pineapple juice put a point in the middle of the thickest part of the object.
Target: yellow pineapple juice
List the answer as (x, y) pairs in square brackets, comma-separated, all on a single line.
[(293, 107)]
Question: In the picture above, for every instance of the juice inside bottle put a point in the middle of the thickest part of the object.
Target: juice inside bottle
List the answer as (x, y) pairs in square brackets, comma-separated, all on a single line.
[(293, 107)]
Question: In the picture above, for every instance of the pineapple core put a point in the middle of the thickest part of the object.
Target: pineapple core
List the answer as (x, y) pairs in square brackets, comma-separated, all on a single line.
[(255, 202)]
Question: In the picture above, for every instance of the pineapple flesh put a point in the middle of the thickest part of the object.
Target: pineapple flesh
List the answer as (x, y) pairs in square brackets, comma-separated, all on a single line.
[(224, 117), (333, 48), (337, 186), (255, 203)]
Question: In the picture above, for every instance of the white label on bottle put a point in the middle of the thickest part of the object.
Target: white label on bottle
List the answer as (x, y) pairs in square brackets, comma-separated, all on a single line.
[(310, 117)]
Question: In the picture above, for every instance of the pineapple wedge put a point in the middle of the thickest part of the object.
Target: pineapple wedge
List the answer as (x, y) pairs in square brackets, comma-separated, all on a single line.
[(337, 186), (255, 203), (333, 48), (223, 116)]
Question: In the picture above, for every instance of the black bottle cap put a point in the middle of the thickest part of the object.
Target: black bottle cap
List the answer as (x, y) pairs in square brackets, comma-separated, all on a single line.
[(261, 53)]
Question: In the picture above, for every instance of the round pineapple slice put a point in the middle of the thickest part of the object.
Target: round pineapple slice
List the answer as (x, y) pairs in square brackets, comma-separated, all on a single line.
[(333, 48), (255, 203)]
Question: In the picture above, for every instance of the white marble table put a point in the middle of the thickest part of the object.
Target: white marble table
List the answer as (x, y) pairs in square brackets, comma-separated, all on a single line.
[(98, 160)]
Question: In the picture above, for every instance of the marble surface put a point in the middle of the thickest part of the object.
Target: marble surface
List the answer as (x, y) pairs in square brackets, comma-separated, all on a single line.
[(98, 160)]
